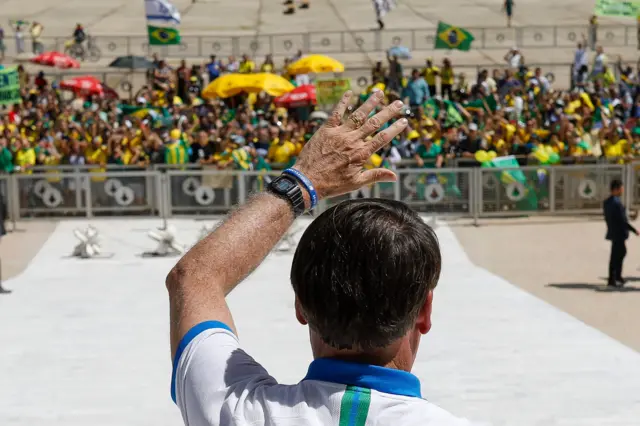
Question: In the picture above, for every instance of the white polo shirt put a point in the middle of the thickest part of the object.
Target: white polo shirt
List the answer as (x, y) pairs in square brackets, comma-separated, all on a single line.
[(215, 382)]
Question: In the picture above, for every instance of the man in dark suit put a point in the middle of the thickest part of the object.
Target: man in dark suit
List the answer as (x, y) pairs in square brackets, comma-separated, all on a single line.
[(618, 228)]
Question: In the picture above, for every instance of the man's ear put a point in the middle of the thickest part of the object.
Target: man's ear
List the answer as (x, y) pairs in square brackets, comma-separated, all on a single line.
[(423, 323), (299, 315)]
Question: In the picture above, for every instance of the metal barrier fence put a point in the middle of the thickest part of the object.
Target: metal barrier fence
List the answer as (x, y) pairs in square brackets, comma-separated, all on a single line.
[(344, 41), (463, 192)]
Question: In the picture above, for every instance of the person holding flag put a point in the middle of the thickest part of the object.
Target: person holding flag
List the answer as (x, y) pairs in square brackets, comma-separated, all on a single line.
[(382, 7)]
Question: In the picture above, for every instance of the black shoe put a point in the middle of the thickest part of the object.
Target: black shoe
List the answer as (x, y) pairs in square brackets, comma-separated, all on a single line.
[(621, 280), (289, 11), (4, 291), (380, 24), (288, 2), (304, 6)]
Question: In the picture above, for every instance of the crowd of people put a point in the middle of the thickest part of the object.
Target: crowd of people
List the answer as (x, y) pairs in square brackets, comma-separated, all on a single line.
[(512, 111)]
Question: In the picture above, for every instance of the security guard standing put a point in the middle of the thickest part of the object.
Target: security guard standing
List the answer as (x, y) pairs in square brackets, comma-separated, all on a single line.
[(618, 228)]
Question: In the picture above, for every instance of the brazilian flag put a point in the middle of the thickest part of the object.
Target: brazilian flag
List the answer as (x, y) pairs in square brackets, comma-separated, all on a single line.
[(160, 36), (450, 37)]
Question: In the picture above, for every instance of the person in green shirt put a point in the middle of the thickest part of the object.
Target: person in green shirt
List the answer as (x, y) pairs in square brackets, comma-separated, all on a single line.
[(429, 154), (6, 157)]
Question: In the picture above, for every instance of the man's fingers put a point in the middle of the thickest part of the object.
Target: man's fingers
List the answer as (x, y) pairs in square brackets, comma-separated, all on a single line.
[(335, 119), (378, 120), (372, 176), (358, 118), (384, 137)]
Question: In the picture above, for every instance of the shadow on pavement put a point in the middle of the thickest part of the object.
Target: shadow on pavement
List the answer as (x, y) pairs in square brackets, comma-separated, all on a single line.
[(602, 288)]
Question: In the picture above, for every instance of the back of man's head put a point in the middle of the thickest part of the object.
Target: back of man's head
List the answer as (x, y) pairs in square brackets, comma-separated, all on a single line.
[(615, 185), (362, 272)]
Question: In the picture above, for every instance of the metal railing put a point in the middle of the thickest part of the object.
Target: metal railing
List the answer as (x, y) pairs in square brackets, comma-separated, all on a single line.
[(462, 191), (335, 42)]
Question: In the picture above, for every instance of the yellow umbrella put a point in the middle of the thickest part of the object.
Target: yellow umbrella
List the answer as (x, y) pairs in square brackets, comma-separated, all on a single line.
[(233, 84), (316, 64)]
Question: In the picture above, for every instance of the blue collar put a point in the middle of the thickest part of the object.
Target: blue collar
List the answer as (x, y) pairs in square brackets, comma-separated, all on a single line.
[(385, 380)]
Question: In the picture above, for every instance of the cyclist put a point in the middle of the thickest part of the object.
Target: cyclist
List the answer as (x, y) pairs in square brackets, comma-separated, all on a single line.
[(79, 35)]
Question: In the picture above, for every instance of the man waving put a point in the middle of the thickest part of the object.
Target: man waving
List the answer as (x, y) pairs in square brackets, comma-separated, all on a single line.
[(363, 276)]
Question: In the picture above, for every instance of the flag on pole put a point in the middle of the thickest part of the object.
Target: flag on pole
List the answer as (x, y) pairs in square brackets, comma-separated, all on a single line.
[(162, 18), (162, 10), (161, 36), (450, 37)]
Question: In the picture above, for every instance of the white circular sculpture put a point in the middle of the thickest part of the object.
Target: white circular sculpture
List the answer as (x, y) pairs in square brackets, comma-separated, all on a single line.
[(587, 189), (516, 191), (124, 196), (434, 193), (205, 195), (190, 186), (111, 186), (52, 197)]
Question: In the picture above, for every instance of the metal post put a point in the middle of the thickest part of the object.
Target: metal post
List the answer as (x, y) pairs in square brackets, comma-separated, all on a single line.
[(376, 191), (13, 199), (242, 189), (628, 183), (86, 182), (479, 194), (552, 190), (79, 185), (168, 204), (475, 185)]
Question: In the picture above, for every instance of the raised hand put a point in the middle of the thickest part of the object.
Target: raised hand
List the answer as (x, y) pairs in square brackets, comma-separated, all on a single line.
[(334, 157)]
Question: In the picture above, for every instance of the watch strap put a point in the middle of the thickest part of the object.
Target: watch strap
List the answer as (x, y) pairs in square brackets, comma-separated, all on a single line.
[(293, 195)]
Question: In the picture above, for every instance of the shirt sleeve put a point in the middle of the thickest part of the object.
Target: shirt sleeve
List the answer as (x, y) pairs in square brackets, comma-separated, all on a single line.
[(213, 378)]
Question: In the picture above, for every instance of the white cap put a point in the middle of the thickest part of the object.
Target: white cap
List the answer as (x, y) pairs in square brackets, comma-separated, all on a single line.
[(473, 126)]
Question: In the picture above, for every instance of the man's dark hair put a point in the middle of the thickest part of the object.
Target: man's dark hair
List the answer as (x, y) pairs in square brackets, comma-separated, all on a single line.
[(615, 184), (362, 272)]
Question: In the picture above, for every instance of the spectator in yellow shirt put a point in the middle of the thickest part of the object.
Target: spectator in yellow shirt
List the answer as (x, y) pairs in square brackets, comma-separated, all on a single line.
[(446, 79), (25, 156), (282, 151), (246, 65), (268, 65), (430, 73)]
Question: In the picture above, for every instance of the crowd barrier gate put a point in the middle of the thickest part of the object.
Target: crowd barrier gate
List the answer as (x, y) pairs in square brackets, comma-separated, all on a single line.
[(166, 192)]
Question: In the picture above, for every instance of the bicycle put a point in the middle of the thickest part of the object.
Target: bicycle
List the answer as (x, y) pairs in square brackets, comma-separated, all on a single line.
[(79, 52)]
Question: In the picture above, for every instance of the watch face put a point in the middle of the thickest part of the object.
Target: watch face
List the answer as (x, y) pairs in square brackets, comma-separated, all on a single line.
[(283, 185)]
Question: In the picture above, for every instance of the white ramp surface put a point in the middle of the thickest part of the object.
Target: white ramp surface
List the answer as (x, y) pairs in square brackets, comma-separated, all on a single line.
[(86, 341)]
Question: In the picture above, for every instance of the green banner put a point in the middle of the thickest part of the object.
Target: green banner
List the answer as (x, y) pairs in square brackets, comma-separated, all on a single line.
[(522, 192), (329, 92), (9, 86), (629, 8)]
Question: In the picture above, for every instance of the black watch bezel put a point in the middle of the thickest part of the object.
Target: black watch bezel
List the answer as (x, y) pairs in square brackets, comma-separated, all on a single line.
[(292, 193)]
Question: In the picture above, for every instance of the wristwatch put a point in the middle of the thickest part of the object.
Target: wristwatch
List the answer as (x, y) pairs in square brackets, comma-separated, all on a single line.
[(287, 187)]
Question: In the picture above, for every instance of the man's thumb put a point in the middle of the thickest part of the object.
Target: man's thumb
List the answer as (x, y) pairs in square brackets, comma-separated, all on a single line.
[(377, 175)]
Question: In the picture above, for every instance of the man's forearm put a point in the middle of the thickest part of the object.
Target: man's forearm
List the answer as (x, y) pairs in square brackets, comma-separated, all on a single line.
[(224, 258)]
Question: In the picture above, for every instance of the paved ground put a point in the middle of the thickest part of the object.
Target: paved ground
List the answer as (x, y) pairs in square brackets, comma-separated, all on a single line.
[(18, 248), (339, 28), (495, 353), (564, 263)]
